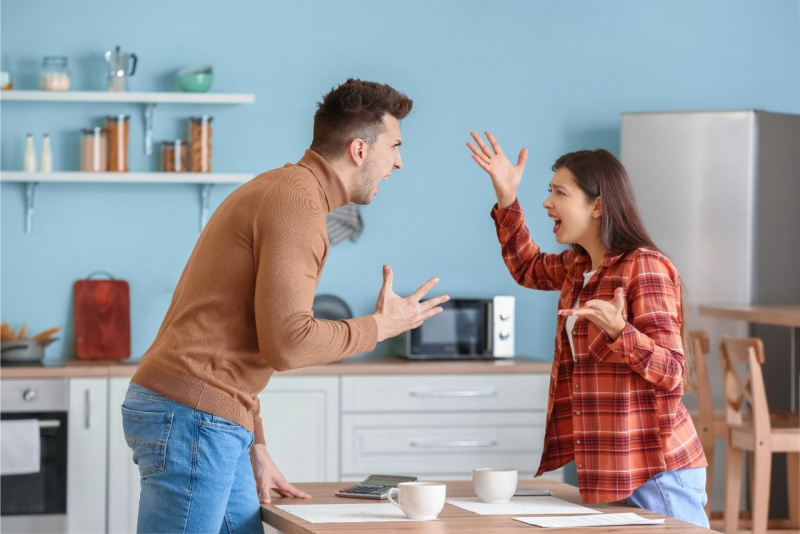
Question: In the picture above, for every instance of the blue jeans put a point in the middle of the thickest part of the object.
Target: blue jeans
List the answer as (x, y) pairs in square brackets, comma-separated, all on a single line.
[(195, 467), (680, 494)]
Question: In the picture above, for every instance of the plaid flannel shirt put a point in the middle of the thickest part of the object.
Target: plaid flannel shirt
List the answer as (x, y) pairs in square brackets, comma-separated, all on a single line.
[(616, 408)]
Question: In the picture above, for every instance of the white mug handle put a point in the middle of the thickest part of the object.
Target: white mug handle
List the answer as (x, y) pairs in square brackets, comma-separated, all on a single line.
[(389, 496)]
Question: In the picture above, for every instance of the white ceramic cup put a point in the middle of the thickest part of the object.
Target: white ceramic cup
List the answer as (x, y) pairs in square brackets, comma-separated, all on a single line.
[(494, 484), (421, 501)]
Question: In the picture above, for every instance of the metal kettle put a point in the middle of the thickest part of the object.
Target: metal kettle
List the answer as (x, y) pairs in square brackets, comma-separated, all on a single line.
[(117, 63)]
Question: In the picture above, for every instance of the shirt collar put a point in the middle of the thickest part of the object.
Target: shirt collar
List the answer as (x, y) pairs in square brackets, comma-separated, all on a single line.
[(330, 182), (583, 262)]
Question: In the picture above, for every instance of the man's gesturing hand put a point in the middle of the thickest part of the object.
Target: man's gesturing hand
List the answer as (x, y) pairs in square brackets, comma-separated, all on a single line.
[(395, 315)]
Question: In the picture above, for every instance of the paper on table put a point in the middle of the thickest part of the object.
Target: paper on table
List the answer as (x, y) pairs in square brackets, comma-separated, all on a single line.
[(521, 505), (345, 513), (600, 520)]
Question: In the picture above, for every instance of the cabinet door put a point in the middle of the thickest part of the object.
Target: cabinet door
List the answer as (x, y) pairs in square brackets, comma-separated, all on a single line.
[(123, 475), (301, 426), (87, 422)]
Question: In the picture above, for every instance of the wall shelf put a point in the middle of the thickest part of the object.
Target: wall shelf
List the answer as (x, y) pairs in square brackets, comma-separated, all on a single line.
[(148, 100), (204, 180)]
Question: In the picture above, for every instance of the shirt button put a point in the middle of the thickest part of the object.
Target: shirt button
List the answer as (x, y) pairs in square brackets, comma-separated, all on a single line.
[(577, 386), (578, 442), (580, 466), (577, 413)]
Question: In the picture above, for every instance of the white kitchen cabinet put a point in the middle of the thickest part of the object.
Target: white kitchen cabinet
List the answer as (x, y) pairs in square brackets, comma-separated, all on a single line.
[(87, 421), (442, 426), (123, 474), (301, 426)]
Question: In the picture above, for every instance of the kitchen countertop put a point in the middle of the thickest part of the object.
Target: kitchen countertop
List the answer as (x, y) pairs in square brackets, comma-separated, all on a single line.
[(369, 365)]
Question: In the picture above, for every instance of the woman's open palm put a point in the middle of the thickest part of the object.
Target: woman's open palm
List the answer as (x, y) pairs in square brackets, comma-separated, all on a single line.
[(505, 176)]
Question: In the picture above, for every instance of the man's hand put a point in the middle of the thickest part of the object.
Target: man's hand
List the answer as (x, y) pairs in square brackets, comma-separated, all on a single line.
[(395, 315), (269, 478), (505, 176), (605, 314)]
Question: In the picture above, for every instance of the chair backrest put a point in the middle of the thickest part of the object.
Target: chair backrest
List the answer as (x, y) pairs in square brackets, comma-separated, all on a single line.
[(744, 390), (698, 382)]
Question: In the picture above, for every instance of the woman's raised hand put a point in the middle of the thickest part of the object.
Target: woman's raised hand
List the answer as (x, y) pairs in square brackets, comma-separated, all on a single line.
[(506, 176)]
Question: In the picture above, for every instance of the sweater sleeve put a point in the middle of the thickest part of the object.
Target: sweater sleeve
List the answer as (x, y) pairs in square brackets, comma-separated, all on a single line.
[(290, 247)]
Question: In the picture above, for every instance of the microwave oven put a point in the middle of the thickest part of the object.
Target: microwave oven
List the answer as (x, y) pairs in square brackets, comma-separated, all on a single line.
[(468, 328)]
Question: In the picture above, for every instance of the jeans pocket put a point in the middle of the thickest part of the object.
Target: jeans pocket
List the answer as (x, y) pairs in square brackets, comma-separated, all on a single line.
[(147, 434), (693, 478)]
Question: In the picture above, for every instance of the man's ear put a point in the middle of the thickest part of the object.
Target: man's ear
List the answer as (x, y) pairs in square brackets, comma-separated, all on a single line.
[(597, 209), (357, 151)]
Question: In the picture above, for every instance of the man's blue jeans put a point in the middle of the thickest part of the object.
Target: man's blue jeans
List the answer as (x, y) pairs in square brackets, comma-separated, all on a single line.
[(680, 494), (195, 467)]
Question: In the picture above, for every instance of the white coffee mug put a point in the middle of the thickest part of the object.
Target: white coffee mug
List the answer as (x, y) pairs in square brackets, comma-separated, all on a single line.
[(494, 484), (421, 501)]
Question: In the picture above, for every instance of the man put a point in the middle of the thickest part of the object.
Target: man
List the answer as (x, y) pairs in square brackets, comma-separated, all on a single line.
[(242, 310)]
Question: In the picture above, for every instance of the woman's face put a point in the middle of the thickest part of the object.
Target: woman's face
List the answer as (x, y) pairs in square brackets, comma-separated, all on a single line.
[(576, 220)]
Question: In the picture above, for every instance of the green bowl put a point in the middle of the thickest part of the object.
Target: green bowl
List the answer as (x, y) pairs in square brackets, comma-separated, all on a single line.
[(195, 80)]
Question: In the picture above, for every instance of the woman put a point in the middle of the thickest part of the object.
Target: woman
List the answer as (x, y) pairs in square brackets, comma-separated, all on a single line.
[(617, 379)]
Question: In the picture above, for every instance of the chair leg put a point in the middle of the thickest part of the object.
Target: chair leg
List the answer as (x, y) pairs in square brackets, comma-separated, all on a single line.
[(762, 471), (793, 485), (709, 476), (733, 489)]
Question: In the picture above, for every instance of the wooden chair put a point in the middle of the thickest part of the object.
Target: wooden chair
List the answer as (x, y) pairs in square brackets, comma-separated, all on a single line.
[(762, 435), (710, 425)]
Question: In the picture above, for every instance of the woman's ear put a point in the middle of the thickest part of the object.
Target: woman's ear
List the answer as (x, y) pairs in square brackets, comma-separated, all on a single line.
[(597, 208)]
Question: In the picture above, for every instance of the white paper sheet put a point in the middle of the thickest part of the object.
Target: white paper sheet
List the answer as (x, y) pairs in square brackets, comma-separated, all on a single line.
[(521, 506), (20, 447), (345, 513), (601, 520)]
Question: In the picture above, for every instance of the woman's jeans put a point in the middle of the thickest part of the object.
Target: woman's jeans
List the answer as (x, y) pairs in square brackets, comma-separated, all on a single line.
[(195, 467), (680, 494)]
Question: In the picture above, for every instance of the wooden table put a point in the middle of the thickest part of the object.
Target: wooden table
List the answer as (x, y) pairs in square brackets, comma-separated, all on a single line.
[(788, 315), (453, 519)]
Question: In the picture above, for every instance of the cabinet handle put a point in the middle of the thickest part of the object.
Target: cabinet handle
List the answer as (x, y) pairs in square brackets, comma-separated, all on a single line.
[(88, 411), (455, 443), (454, 393), (49, 423)]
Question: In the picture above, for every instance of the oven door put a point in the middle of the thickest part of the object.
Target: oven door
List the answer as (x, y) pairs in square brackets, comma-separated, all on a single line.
[(37, 502), (461, 331)]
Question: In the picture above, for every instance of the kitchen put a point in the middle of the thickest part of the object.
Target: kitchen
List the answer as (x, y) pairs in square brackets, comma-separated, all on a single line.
[(550, 76)]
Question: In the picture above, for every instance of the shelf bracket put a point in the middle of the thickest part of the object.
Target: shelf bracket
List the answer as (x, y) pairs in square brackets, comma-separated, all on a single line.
[(30, 197), (149, 112), (205, 204)]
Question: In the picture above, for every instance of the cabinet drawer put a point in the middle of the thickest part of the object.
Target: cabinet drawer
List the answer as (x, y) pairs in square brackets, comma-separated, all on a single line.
[(444, 393), (440, 444)]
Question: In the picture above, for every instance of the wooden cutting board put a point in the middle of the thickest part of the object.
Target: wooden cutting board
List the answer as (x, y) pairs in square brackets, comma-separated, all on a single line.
[(102, 319)]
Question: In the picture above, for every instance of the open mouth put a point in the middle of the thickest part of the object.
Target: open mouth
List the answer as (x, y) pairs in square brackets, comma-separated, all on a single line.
[(556, 224)]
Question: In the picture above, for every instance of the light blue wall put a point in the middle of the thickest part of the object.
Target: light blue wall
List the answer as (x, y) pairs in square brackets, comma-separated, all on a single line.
[(550, 75)]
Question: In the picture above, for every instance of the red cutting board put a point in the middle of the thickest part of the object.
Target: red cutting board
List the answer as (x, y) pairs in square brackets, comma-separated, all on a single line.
[(102, 319)]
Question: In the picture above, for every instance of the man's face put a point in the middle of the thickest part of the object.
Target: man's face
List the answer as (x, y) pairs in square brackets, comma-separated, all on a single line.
[(381, 159)]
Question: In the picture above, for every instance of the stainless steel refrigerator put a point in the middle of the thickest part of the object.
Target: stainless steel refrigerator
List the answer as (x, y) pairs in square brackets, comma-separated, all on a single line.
[(720, 194)]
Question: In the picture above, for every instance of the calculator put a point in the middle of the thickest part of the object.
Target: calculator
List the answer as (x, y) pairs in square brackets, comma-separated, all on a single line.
[(374, 486)]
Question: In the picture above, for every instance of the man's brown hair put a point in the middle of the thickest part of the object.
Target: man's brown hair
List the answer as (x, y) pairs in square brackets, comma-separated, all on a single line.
[(355, 110)]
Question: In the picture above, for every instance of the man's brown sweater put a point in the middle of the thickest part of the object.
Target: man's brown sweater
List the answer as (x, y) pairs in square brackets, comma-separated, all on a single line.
[(242, 307)]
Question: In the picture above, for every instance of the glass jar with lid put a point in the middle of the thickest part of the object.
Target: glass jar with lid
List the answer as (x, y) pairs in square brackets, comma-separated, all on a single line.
[(117, 130), (174, 156), (200, 143), (55, 74), (94, 150)]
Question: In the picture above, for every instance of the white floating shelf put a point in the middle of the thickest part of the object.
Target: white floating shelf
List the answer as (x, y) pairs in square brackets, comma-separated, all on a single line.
[(126, 177), (204, 179), (135, 98)]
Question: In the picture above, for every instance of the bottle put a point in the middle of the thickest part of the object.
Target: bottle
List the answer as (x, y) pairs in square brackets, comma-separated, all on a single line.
[(200, 143), (94, 150), (117, 134), (174, 156), (55, 74), (46, 163), (29, 160)]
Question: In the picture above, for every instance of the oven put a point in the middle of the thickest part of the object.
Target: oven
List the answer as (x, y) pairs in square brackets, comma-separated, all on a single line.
[(36, 502)]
